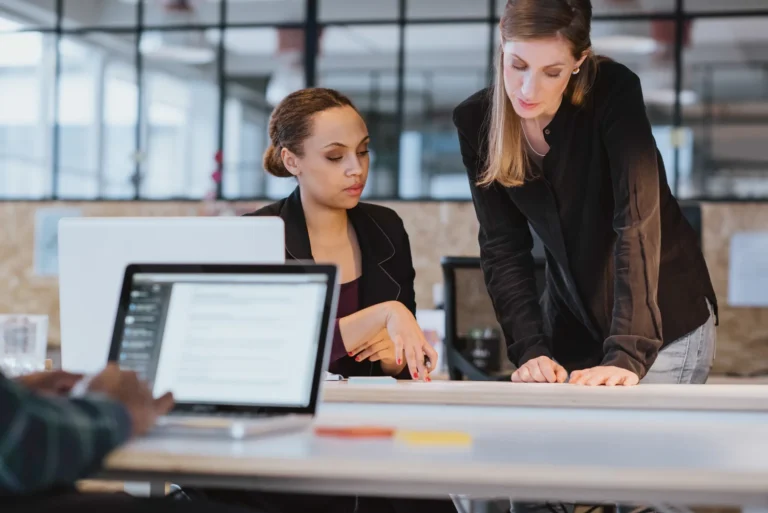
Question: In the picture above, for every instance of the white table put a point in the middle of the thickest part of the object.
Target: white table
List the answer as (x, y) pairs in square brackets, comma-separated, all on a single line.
[(489, 393), (640, 455)]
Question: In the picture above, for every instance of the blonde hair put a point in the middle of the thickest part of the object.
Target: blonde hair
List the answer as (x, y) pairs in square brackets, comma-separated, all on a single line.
[(507, 162)]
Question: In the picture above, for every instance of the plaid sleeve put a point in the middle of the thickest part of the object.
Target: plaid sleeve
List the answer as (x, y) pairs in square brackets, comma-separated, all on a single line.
[(51, 441)]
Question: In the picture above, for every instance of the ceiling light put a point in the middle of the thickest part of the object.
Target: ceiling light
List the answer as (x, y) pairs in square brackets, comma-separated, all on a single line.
[(185, 47), (625, 44)]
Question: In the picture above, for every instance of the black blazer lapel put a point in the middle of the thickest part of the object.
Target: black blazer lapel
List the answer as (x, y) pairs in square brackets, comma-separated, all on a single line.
[(297, 246), (377, 284), (377, 250)]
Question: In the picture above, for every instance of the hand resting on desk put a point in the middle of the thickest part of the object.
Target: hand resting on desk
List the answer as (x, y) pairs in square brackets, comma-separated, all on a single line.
[(604, 375), (540, 370), (546, 370)]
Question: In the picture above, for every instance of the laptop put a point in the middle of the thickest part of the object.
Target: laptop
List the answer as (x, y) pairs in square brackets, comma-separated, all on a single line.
[(93, 254), (243, 348)]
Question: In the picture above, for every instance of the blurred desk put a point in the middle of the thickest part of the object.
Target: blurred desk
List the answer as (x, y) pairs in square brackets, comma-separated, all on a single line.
[(485, 393), (687, 458)]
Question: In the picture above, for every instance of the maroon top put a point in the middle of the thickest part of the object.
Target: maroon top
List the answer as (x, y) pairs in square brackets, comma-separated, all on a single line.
[(349, 303)]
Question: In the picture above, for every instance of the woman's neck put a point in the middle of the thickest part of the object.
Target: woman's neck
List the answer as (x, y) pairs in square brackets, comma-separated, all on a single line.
[(545, 118), (324, 222)]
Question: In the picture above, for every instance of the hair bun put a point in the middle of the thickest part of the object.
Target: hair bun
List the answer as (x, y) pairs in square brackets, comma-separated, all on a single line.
[(273, 163)]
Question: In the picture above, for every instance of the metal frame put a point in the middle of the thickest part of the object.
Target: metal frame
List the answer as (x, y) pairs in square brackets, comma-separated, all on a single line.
[(312, 26)]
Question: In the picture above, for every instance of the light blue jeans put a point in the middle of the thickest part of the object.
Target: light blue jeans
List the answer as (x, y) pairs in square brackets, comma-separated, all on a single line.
[(688, 359)]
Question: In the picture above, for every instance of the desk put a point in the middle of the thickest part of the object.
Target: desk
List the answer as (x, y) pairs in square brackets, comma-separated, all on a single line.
[(489, 393), (693, 457)]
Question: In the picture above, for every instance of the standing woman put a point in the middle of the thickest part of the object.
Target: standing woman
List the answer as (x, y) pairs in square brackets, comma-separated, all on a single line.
[(562, 144)]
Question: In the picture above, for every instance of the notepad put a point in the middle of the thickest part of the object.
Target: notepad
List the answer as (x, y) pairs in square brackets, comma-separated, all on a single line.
[(372, 380)]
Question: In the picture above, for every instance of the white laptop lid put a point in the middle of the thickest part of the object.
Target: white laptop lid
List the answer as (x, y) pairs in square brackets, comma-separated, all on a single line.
[(239, 339), (94, 252)]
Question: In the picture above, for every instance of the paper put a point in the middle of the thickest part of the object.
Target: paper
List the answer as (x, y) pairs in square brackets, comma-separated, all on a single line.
[(371, 380), (329, 376), (47, 238), (748, 270)]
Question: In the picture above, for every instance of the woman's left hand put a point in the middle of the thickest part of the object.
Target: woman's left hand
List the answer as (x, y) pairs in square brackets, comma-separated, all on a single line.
[(380, 347), (604, 375)]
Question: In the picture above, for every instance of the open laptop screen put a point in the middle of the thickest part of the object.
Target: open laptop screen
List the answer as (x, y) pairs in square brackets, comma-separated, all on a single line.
[(235, 339)]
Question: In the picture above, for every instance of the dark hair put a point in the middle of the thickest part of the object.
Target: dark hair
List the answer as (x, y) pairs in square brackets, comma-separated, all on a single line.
[(291, 123), (507, 159)]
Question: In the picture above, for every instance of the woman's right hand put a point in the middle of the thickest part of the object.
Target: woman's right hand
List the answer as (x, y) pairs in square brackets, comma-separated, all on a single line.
[(540, 370), (409, 341)]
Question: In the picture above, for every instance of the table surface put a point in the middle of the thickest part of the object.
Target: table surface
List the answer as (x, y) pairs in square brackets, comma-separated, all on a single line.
[(695, 456), (468, 393)]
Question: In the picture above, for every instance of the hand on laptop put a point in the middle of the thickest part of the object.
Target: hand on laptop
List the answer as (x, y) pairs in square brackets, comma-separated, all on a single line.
[(125, 387), (540, 370), (56, 382)]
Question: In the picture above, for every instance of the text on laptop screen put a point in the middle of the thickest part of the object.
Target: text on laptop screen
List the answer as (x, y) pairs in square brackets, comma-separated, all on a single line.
[(225, 338)]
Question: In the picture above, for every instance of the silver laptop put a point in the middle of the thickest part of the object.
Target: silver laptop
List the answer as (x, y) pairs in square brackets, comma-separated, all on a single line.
[(243, 348)]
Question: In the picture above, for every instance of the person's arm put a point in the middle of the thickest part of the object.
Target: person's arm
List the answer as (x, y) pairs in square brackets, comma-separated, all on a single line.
[(359, 330), (338, 349), (508, 267), (362, 326), (635, 335), (50, 441)]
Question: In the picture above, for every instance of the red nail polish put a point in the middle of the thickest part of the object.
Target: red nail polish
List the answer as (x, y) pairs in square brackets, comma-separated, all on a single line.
[(398, 361), (429, 380), (350, 354), (416, 375), (357, 359)]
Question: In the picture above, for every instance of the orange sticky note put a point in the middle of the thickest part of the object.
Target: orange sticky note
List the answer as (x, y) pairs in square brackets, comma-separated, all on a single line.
[(355, 431)]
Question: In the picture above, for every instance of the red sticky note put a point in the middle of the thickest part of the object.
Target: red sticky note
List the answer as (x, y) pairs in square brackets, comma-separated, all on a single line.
[(355, 432)]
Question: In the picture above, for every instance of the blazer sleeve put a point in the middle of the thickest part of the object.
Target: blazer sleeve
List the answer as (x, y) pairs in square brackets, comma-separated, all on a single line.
[(636, 333), (507, 262)]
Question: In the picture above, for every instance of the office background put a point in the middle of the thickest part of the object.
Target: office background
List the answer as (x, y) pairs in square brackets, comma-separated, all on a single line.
[(149, 107)]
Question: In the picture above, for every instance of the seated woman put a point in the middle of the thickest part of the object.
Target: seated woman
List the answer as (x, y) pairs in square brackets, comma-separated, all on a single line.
[(318, 137)]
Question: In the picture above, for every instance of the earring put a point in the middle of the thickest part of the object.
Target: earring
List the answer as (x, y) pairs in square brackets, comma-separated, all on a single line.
[(576, 71)]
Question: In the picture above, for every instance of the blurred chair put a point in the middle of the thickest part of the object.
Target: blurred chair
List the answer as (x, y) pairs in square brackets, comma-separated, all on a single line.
[(468, 306), (692, 213)]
